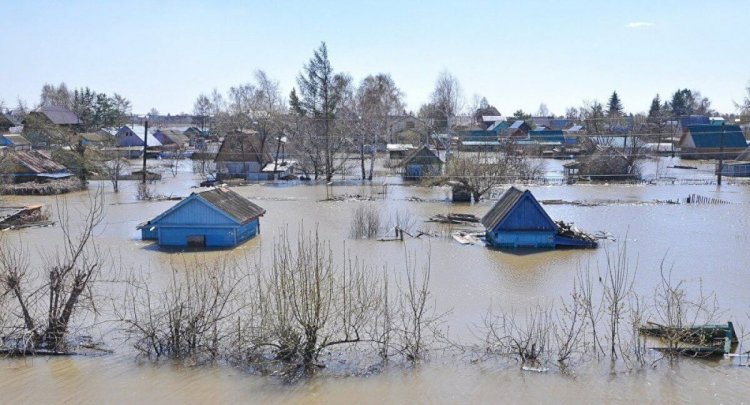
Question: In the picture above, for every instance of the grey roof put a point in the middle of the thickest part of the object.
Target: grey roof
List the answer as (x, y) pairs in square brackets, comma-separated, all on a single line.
[(233, 204), (175, 135), (502, 207), (517, 124), (33, 161), (423, 156), (59, 115)]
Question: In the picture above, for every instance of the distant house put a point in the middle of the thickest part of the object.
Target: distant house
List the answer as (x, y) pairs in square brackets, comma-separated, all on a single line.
[(420, 163), (575, 129), (282, 169), (214, 218), (241, 155), (706, 142), (50, 124), (95, 139), (518, 129), (128, 136), (547, 137), (30, 165), (397, 151), (6, 123), (740, 167), (171, 137), (15, 142), (517, 220), (192, 132)]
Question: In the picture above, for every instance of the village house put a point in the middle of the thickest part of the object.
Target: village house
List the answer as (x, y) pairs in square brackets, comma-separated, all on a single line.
[(517, 220), (15, 142), (30, 165), (708, 142), (171, 138), (128, 136), (218, 218), (421, 163), (242, 156), (50, 124), (397, 151), (519, 129)]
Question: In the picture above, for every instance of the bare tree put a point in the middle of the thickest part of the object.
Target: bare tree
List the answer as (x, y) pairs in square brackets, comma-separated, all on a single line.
[(45, 311)]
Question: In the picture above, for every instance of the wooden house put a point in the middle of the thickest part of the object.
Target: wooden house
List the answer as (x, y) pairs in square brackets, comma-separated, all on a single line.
[(397, 151), (218, 217), (132, 136), (707, 142), (421, 163), (517, 220), (241, 155), (15, 142), (50, 125), (519, 129), (30, 165), (172, 138)]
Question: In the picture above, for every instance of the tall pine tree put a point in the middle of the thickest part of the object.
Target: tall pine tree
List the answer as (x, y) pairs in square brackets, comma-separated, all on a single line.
[(614, 106)]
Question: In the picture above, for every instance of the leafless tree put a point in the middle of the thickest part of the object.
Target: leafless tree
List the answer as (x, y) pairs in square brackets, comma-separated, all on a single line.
[(365, 222), (45, 310)]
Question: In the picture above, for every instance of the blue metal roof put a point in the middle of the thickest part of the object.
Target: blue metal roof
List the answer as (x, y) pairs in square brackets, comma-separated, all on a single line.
[(709, 136), (694, 120), (547, 136)]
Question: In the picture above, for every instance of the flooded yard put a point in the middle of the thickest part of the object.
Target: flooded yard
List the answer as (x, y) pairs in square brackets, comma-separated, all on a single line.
[(706, 245)]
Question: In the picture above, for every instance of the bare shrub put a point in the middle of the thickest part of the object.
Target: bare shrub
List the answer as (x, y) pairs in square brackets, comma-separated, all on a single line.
[(190, 318), (365, 223), (143, 192)]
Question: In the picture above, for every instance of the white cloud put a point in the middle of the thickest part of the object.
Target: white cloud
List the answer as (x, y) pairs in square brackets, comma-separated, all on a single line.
[(640, 24)]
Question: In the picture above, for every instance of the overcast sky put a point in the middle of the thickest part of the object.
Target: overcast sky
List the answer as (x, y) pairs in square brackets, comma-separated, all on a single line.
[(517, 54)]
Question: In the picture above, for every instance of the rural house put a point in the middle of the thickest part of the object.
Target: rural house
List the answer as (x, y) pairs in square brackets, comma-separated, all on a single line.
[(517, 220), (420, 163), (706, 141), (30, 165), (128, 136), (218, 217), (15, 142), (50, 125), (241, 155), (171, 137), (518, 129)]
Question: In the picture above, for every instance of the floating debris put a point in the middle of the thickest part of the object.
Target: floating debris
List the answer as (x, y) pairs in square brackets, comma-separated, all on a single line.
[(23, 217), (454, 218)]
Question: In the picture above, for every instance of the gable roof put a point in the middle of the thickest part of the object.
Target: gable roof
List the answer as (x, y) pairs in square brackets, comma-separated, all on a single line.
[(174, 135), (59, 115), (33, 161), (709, 136), (242, 147), (137, 131), (422, 155), (505, 205), (231, 204)]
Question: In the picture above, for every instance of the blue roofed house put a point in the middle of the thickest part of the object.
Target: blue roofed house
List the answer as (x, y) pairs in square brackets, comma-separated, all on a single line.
[(517, 220), (214, 218), (421, 163), (707, 141)]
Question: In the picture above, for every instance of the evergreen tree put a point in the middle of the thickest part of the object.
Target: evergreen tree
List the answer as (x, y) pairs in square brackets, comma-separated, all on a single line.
[(614, 106), (655, 111)]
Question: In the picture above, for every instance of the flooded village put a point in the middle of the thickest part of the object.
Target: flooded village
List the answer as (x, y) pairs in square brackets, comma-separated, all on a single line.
[(321, 240)]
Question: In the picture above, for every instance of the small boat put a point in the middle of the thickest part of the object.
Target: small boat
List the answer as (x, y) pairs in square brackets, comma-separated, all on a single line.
[(697, 340)]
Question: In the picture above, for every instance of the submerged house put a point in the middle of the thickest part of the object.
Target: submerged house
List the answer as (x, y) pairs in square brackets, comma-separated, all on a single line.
[(30, 165), (241, 155), (518, 221), (712, 142), (420, 163), (214, 218), (171, 137), (739, 167)]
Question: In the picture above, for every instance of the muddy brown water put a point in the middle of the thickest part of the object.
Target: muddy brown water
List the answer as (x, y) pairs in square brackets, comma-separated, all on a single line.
[(705, 244)]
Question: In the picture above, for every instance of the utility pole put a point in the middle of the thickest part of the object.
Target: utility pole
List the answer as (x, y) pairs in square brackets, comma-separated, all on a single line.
[(145, 145), (721, 154)]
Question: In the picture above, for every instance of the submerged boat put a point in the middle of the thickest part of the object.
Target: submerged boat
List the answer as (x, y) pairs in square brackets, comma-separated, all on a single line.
[(697, 340)]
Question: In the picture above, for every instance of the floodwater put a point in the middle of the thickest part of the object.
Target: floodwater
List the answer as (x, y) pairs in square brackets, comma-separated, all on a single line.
[(704, 244)]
